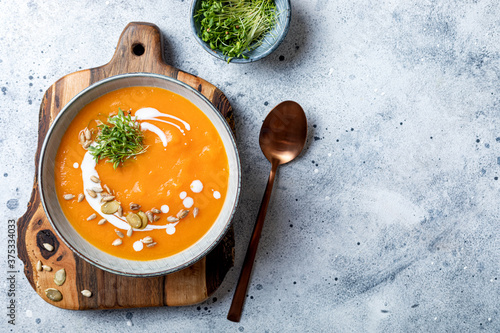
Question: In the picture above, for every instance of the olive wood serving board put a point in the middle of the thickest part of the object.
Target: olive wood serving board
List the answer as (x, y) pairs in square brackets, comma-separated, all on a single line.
[(140, 49)]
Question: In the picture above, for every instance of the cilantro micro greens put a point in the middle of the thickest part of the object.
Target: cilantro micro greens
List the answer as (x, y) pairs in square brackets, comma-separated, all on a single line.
[(235, 26), (118, 140)]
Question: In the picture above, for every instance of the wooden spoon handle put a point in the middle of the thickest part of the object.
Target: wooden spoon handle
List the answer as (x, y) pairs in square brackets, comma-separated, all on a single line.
[(234, 313)]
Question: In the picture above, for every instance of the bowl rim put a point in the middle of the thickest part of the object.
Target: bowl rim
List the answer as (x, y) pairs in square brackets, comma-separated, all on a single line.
[(219, 55), (50, 131)]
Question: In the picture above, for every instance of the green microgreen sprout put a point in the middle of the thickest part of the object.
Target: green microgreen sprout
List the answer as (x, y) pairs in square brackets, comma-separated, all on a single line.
[(118, 140), (235, 26)]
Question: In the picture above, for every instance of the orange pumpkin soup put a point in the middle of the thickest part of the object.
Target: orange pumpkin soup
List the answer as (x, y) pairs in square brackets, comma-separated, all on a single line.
[(183, 170)]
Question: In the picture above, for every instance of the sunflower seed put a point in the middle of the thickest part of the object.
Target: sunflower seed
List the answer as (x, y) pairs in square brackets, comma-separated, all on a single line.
[(48, 247), (134, 206), (119, 233), (110, 207), (46, 268), (81, 138), (147, 240), (92, 193), (81, 196), (117, 242), (101, 222), (86, 293), (60, 277), (39, 266), (120, 211), (95, 179), (97, 189), (134, 220), (156, 211), (87, 133), (156, 218), (87, 144), (182, 213), (172, 219), (195, 211), (91, 217), (53, 294), (107, 198), (129, 232), (151, 244), (107, 188), (68, 196), (149, 216)]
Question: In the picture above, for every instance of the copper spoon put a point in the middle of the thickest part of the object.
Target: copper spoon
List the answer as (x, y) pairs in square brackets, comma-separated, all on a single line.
[(282, 138)]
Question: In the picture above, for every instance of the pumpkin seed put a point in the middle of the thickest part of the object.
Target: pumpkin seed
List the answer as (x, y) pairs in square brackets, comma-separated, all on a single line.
[(149, 216), (81, 196), (91, 193), (156, 211), (117, 242), (86, 293), (60, 277), (172, 219), (91, 217), (48, 247), (46, 268), (134, 220), (182, 213), (97, 189), (39, 266), (134, 206), (147, 240), (120, 211), (68, 196), (95, 179), (129, 232), (53, 294), (101, 222), (151, 244), (119, 233), (144, 219), (110, 207), (195, 211), (156, 218), (87, 133)]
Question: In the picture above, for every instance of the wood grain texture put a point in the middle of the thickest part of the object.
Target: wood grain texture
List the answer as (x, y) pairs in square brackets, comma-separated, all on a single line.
[(189, 286)]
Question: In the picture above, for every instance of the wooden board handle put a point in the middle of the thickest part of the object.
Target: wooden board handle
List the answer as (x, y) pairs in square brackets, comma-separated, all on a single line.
[(139, 49)]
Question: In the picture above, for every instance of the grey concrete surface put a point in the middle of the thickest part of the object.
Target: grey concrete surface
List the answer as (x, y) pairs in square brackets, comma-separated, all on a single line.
[(389, 221)]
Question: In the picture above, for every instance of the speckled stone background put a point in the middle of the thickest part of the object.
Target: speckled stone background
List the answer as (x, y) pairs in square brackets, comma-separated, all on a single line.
[(389, 221)]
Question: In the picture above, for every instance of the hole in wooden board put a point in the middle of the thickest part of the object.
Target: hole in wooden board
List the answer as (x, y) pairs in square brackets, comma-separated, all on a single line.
[(138, 49)]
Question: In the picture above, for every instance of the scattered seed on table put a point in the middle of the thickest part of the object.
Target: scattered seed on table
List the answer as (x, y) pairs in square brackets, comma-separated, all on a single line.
[(86, 293)]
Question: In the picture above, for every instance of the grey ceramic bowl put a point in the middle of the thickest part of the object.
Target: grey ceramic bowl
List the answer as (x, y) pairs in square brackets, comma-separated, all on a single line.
[(271, 41), (73, 239)]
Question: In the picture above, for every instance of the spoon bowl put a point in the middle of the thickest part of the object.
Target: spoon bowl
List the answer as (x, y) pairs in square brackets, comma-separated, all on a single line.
[(282, 138), (284, 132)]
